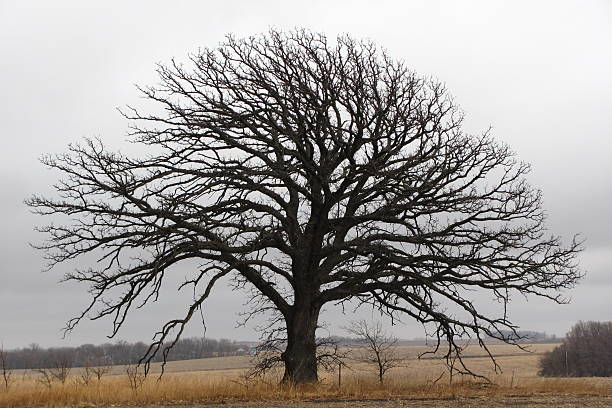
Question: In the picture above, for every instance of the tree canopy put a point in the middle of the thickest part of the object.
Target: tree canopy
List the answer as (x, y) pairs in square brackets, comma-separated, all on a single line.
[(307, 171)]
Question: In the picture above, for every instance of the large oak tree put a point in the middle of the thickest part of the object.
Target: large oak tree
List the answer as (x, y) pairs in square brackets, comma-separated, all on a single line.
[(308, 171)]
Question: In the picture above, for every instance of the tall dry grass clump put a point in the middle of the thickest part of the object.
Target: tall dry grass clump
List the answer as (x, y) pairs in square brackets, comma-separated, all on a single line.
[(201, 387)]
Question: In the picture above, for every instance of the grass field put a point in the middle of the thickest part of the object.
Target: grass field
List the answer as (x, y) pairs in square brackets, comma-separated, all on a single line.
[(219, 382)]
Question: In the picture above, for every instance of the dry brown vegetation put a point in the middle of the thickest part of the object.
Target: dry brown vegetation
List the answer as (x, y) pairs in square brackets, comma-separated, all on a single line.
[(220, 380)]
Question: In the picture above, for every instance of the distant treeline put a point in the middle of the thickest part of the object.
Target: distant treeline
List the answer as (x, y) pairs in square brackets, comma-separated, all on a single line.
[(520, 337), (531, 337), (123, 352), (120, 352), (585, 352)]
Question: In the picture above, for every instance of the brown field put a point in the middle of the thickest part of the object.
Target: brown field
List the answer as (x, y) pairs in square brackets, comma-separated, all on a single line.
[(217, 382)]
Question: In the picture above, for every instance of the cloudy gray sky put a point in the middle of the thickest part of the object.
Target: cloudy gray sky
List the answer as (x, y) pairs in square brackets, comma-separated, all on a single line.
[(537, 72)]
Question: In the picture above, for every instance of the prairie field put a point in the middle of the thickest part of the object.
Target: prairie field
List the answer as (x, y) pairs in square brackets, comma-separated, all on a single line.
[(216, 382)]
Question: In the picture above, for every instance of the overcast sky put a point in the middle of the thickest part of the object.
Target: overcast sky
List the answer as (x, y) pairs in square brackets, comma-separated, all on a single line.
[(537, 72)]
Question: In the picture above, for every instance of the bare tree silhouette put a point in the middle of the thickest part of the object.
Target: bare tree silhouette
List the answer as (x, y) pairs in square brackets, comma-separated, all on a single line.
[(379, 347), (5, 370), (305, 171), (100, 367)]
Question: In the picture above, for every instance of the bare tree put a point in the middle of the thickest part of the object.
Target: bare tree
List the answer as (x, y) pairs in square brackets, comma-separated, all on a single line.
[(87, 375), (135, 375), (93, 369), (100, 368), (379, 348), (61, 370), (305, 171), (45, 377), (7, 372)]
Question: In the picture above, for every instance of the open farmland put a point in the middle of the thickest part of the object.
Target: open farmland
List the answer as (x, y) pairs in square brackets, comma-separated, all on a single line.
[(220, 382)]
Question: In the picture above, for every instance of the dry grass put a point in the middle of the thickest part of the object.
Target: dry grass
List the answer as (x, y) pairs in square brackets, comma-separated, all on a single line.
[(218, 380)]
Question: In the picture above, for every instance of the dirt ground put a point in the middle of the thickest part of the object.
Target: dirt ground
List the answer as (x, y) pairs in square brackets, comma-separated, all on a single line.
[(537, 401)]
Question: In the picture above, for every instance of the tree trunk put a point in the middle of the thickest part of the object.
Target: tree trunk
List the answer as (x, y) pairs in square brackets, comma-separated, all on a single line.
[(300, 356)]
